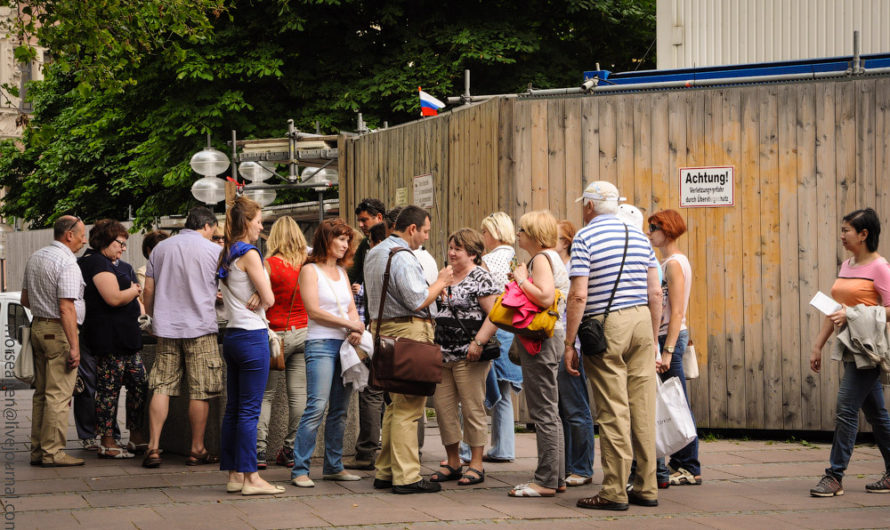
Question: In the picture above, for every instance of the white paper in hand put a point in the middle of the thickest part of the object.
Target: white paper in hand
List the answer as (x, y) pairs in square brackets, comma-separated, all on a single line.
[(825, 303)]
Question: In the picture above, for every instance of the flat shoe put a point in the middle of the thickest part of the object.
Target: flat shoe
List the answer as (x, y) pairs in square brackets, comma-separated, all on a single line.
[(577, 480), (305, 483), (526, 490), (453, 474), (380, 484), (495, 460), (201, 459), (598, 503), (271, 489), (468, 480), (635, 498), (119, 452), (342, 476), (234, 487)]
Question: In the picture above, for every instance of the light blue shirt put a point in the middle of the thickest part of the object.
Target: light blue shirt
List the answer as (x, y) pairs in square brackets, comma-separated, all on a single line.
[(407, 287)]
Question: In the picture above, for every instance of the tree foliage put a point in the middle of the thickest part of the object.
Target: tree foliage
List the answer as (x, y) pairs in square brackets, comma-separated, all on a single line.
[(135, 86)]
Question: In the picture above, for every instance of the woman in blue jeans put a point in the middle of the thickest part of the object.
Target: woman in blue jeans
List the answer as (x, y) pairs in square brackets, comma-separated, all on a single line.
[(246, 294), (327, 297), (864, 280), (664, 229)]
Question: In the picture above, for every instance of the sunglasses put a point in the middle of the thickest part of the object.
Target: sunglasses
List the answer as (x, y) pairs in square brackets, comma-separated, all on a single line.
[(218, 238), (653, 227), (121, 242), (521, 231), (71, 224)]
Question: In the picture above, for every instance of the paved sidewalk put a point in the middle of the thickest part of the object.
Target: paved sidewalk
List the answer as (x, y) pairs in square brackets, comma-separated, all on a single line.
[(748, 484)]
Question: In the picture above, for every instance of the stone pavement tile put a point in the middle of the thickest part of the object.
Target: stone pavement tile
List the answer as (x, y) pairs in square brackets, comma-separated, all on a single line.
[(712, 473), (126, 482), (745, 521), (196, 494), (101, 499), (809, 469), (210, 516), (722, 503), (446, 507), (723, 458), (364, 509), (113, 518), (322, 487), (94, 470), (781, 455), (25, 471), (522, 508), (211, 478), (48, 519), (838, 518), (46, 502), (860, 497), (57, 485), (278, 513)]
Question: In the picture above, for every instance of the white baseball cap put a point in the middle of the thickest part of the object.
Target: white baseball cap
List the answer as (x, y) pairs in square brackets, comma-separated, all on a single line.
[(601, 190), (631, 215)]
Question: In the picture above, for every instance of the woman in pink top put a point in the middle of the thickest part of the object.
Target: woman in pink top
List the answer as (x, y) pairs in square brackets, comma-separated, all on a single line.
[(863, 279)]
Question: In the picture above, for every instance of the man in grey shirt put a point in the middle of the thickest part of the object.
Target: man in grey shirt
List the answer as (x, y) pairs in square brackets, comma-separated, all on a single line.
[(180, 296)]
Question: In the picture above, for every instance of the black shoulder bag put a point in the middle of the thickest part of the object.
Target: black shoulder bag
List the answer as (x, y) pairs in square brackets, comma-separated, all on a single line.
[(592, 332), (492, 348)]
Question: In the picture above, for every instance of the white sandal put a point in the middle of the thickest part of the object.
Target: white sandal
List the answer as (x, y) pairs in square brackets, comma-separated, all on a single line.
[(105, 452)]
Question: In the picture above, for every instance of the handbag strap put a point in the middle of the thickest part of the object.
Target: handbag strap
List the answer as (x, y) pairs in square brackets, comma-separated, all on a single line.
[(327, 280), (459, 321), (392, 253), (617, 278)]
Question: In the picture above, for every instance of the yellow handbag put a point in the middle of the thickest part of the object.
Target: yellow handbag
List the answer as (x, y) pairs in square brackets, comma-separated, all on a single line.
[(540, 328)]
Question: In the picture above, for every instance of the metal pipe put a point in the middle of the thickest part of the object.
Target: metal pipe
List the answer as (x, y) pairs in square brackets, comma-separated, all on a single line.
[(234, 155), (264, 186), (555, 91), (721, 81), (291, 152), (320, 207), (466, 96), (857, 61)]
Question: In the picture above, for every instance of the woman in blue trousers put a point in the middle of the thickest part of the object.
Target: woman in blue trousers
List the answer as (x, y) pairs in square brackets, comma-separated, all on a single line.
[(246, 294)]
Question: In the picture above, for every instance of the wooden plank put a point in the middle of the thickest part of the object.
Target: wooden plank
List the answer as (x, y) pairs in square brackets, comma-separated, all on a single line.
[(625, 136), (771, 257), (590, 141), (826, 223), (556, 156), (788, 238), (661, 174), (522, 154), (882, 163), (808, 254), (714, 241), (573, 148), (865, 143), (749, 191), (733, 251), (506, 163), (640, 194), (698, 305), (677, 110), (540, 198), (608, 136)]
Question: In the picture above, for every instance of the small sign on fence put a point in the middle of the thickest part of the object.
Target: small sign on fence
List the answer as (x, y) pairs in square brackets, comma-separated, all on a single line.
[(424, 191), (401, 196), (710, 186)]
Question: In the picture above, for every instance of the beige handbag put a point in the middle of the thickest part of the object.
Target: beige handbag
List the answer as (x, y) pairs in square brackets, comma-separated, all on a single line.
[(690, 362)]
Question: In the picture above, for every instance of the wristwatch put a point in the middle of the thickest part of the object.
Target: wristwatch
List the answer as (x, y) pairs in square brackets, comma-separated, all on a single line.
[(669, 349), (477, 343), (519, 283)]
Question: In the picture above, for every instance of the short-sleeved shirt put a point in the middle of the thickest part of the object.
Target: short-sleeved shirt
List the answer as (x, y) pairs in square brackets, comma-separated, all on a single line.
[(184, 271), (407, 287), (464, 298), (597, 250), (498, 263), (52, 274), (109, 329), (863, 284)]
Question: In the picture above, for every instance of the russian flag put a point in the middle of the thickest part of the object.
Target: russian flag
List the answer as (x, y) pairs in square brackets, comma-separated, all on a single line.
[(429, 106)]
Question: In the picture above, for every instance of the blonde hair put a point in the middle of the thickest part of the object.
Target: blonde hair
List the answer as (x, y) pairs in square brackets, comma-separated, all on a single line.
[(540, 226), (500, 226), (287, 241)]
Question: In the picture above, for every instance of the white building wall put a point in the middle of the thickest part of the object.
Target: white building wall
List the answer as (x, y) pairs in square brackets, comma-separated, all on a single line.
[(693, 33)]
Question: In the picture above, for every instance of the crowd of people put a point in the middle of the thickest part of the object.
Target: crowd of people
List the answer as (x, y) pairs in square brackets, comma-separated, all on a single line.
[(324, 300)]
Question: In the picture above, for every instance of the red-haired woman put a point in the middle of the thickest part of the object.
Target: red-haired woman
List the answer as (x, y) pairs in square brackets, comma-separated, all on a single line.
[(664, 229), (327, 297)]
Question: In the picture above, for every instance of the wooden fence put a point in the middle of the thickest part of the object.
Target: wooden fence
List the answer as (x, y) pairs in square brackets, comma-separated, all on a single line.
[(804, 155)]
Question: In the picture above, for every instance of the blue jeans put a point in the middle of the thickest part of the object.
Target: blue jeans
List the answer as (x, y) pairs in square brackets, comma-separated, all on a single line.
[(577, 423), (247, 367), (859, 389), (324, 388), (687, 458)]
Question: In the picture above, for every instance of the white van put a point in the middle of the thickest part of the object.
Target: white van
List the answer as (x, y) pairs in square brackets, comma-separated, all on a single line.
[(13, 315)]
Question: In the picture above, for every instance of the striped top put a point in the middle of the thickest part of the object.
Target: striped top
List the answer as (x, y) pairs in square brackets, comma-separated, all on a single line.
[(596, 253)]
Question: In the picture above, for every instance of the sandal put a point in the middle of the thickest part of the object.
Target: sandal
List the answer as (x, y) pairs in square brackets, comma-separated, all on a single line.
[(468, 480), (526, 490), (453, 474), (113, 452), (152, 458), (199, 460)]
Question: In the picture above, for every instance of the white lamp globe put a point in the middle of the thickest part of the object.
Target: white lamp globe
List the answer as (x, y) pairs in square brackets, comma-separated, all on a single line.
[(322, 177), (264, 197), (209, 162), (209, 190), (256, 171)]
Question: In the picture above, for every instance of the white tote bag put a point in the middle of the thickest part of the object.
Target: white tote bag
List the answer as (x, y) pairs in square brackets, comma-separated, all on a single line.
[(24, 363), (674, 428), (690, 362)]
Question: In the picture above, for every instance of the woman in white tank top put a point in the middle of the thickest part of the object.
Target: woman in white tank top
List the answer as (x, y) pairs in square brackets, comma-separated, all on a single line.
[(664, 229), (246, 294), (333, 318)]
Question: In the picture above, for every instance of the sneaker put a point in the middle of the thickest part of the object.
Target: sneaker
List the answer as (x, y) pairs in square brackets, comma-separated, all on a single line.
[(285, 457), (683, 478), (90, 444), (261, 460), (881, 486), (60, 459), (828, 487), (661, 485)]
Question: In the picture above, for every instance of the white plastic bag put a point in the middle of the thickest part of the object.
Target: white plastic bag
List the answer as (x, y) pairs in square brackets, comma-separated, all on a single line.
[(690, 362), (674, 428), (24, 363)]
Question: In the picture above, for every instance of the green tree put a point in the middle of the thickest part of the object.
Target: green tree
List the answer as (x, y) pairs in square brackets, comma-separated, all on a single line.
[(133, 91)]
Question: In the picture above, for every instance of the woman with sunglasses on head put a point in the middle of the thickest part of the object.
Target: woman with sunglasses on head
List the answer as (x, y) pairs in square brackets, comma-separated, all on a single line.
[(861, 287), (673, 336), (111, 333), (246, 293)]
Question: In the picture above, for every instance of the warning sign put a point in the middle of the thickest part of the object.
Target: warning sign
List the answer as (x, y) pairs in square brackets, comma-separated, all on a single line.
[(424, 191), (706, 186)]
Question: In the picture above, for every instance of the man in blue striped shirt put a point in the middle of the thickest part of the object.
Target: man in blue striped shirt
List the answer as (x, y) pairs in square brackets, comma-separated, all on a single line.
[(623, 377)]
